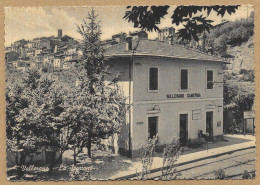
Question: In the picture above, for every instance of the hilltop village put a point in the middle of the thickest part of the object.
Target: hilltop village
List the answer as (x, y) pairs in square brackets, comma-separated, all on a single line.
[(46, 53), (62, 52), (53, 53)]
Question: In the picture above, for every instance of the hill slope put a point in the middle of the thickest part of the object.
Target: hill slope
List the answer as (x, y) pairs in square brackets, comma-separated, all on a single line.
[(243, 56)]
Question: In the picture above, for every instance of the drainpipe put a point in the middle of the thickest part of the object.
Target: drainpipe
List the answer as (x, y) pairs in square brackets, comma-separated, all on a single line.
[(128, 47), (130, 111), (131, 64)]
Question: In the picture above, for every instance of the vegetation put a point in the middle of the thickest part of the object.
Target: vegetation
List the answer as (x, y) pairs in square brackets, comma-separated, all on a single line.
[(171, 153), (147, 154), (43, 112), (248, 175), (247, 75), (231, 33), (148, 17), (34, 119), (237, 101), (220, 174), (103, 104)]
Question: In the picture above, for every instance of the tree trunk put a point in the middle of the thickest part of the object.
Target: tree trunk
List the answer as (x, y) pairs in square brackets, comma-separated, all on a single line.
[(21, 163), (89, 144), (52, 161), (75, 157), (55, 161)]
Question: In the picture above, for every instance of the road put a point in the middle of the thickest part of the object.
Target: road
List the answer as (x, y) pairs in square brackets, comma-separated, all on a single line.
[(233, 164)]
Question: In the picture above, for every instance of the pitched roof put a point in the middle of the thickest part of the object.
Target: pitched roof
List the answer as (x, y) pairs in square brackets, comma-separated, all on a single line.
[(161, 49)]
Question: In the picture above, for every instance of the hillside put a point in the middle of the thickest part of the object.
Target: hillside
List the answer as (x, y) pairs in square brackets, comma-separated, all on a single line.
[(240, 71), (234, 41), (243, 56)]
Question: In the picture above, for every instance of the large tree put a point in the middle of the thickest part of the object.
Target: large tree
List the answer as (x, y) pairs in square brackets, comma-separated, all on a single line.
[(102, 103), (33, 111), (149, 17)]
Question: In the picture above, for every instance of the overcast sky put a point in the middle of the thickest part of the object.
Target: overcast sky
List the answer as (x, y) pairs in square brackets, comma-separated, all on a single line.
[(28, 23)]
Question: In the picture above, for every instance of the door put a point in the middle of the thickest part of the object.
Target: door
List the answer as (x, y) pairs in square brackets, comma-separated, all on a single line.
[(183, 129), (152, 126), (209, 125)]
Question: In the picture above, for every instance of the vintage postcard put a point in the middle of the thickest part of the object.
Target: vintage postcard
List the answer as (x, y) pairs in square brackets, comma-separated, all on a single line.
[(130, 92)]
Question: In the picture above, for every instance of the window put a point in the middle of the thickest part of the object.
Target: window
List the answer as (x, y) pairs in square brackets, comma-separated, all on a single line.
[(184, 79), (153, 78), (152, 126), (209, 79)]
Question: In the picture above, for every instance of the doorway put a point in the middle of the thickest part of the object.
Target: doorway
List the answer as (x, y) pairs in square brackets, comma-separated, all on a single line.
[(209, 125), (152, 126), (183, 129)]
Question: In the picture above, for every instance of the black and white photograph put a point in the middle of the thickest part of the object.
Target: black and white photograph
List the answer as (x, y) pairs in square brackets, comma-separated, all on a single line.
[(130, 92)]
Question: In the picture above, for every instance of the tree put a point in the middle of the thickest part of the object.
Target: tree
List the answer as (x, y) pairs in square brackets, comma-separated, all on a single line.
[(237, 101), (102, 102), (148, 17), (34, 107)]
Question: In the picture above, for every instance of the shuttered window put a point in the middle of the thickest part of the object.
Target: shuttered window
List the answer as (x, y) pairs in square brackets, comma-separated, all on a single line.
[(184, 79), (153, 78), (209, 79)]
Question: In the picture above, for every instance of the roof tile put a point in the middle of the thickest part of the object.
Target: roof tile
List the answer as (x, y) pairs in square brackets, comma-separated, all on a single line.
[(158, 48)]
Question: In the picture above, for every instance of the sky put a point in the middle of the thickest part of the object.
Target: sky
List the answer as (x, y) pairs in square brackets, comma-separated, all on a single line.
[(32, 22)]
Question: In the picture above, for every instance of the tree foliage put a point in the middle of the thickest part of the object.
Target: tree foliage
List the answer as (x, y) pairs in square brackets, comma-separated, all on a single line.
[(102, 102), (237, 101), (148, 18), (33, 114)]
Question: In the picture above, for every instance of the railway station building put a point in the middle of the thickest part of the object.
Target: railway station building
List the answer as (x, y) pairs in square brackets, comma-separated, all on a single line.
[(171, 90)]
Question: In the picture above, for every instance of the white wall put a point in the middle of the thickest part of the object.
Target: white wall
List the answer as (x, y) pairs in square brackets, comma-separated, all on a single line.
[(168, 124), (170, 108)]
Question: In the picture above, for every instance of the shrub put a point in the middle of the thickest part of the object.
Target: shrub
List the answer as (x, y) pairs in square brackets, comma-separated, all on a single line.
[(220, 174), (147, 154), (248, 75), (248, 175), (171, 153)]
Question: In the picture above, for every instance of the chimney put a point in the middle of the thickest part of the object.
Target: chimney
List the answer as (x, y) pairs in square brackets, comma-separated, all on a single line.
[(55, 49), (128, 43), (59, 33)]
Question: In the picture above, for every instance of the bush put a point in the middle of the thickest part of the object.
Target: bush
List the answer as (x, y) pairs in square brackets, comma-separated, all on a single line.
[(147, 154), (247, 175), (171, 153), (248, 75), (235, 128), (220, 174)]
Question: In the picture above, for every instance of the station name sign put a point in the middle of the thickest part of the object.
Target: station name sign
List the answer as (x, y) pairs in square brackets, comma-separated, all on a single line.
[(189, 95)]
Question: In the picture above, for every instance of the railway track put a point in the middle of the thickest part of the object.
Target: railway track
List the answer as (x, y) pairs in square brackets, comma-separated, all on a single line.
[(236, 158)]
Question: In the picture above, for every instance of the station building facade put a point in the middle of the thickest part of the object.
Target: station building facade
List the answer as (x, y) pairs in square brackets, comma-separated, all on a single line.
[(171, 91)]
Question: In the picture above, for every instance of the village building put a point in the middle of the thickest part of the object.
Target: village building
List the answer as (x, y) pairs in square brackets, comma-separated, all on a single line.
[(107, 43), (58, 62), (30, 52), (21, 65), (138, 34), (171, 91), (120, 37), (166, 33), (8, 49), (11, 56)]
